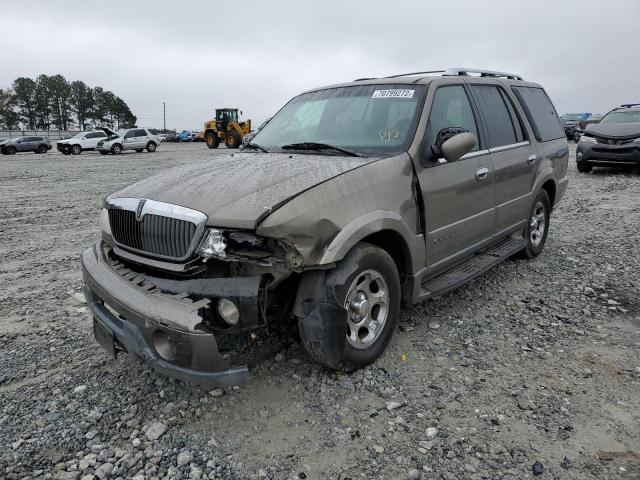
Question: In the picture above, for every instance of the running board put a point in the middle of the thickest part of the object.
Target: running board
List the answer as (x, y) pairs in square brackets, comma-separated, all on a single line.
[(469, 269)]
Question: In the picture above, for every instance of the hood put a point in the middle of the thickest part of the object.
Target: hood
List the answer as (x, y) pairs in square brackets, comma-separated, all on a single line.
[(241, 189), (614, 130), (2, 142)]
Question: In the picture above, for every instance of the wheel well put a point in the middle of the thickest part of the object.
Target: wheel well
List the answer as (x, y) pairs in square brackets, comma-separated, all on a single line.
[(550, 187), (393, 243), (151, 141)]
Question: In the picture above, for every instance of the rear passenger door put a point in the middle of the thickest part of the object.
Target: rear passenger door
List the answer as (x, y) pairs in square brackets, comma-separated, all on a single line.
[(458, 196), (514, 165), (129, 140)]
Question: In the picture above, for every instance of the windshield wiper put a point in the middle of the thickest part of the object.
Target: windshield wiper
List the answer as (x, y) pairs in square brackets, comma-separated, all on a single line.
[(315, 146), (256, 147)]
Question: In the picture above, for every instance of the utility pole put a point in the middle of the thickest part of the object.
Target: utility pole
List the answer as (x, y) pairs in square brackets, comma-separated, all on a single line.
[(164, 117)]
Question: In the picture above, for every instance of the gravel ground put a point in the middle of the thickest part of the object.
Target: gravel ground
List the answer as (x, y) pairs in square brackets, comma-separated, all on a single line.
[(532, 367)]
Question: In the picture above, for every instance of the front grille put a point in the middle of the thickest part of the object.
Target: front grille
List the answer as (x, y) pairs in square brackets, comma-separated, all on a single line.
[(153, 234)]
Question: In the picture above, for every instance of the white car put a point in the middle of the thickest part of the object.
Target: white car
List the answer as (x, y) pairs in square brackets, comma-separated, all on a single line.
[(84, 141), (137, 139)]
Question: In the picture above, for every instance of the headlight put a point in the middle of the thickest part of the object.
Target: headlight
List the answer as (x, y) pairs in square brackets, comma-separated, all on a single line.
[(585, 139), (215, 245), (104, 221)]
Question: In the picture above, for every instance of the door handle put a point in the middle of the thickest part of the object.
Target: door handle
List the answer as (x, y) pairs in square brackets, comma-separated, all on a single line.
[(532, 159), (482, 173)]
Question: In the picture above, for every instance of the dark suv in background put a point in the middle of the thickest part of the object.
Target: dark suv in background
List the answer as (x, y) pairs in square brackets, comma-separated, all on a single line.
[(615, 141), (25, 144), (352, 200)]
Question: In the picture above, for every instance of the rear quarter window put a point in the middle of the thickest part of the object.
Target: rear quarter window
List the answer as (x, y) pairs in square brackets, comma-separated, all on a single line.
[(540, 112)]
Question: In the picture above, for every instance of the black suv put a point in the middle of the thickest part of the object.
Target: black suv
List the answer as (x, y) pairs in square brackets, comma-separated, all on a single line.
[(615, 141)]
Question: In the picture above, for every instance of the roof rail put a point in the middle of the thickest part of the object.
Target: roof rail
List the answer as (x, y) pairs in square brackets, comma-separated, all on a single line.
[(627, 105), (400, 75), (454, 72)]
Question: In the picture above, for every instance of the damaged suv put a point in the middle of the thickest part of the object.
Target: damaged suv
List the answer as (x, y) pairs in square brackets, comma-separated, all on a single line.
[(353, 200)]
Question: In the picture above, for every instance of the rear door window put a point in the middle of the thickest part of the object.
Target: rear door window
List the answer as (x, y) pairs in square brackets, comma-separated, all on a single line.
[(540, 112), (499, 123), (141, 133), (450, 108)]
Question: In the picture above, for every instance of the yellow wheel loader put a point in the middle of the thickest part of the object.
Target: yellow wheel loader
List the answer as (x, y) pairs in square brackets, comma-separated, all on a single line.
[(226, 128)]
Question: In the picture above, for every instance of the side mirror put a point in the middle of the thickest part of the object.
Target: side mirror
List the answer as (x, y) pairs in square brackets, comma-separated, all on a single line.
[(457, 146)]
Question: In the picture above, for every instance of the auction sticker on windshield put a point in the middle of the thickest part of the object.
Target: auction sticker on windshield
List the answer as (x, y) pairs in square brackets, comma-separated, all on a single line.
[(394, 93)]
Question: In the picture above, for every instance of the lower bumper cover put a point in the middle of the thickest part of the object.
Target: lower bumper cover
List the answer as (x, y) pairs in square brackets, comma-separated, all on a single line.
[(160, 329), (601, 155)]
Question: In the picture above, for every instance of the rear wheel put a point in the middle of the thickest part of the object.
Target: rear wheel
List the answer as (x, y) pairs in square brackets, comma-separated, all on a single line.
[(116, 149), (76, 149), (537, 226), (584, 167), (151, 147), (233, 140), (212, 140), (354, 314)]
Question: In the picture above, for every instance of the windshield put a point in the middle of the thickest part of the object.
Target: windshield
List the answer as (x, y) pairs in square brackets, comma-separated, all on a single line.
[(622, 117), (371, 120)]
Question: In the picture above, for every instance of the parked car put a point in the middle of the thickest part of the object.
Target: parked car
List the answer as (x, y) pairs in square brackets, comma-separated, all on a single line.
[(570, 122), (83, 141), (614, 141), (352, 200), (136, 139), (25, 144)]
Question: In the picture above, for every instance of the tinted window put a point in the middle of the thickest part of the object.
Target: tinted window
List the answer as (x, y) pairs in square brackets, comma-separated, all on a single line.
[(130, 134), (515, 119), (540, 112), (450, 108), (95, 135), (141, 133), (500, 129)]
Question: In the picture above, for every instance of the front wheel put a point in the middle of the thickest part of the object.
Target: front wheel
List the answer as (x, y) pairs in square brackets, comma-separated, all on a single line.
[(584, 167), (76, 150), (233, 140), (10, 150), (537, 226), (116, 149), (151, 147), (353, 314)]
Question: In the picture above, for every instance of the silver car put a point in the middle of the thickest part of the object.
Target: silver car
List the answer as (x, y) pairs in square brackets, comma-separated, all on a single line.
[(136, 139)]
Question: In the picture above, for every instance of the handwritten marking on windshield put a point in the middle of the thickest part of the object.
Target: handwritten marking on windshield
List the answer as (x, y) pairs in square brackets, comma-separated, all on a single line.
[(388, 134)]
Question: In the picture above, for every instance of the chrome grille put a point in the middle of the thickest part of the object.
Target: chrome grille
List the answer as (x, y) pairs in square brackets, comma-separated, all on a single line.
[(155, 228)]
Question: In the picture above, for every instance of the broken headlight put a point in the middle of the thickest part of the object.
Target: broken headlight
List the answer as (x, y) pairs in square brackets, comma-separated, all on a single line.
[(215, 245), (237, 245)]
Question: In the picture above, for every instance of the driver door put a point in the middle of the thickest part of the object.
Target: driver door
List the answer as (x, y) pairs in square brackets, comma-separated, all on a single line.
[(458, 196)]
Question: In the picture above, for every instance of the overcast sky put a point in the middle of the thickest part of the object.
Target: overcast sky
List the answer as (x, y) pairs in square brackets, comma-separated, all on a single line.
[(255, 55)]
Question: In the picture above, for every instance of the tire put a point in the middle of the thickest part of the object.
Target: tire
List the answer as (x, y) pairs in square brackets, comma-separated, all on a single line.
[(151, 147), (584, 167), (10, 150), (536, 232), (233, 140), (76, 149), (212, 140), (362, 291), (139, 150), (116, 149), (41, 149)]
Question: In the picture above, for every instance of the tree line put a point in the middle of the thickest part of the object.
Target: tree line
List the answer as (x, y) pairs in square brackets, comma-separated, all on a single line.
[(50, 102)]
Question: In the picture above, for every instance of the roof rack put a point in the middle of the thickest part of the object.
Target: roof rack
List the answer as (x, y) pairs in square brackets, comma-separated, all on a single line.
[(455, 72), (627, 105)]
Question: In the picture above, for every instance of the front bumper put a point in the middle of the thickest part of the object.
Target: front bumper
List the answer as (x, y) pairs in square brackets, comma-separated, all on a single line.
[(603, 155), (63, 147), (163, 330)]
